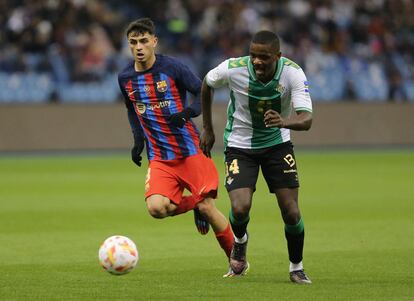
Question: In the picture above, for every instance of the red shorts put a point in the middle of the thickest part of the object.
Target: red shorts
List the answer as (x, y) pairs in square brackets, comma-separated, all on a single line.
[(197, 173)]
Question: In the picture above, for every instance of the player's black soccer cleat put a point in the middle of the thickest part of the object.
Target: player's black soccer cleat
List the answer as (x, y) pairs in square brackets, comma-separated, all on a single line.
[(299, 277), (231, 273), (201, 223), (238, 262)]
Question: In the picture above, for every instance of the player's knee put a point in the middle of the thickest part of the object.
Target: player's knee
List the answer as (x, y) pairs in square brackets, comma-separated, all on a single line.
[(157, 213), (240, 211), (157, 206), (157, 210), (291, 216), (206, 206)]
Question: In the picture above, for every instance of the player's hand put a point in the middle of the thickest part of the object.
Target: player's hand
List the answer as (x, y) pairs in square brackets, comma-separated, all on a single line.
[(179, 119), (207, 140), (136, 152), (272, 119)]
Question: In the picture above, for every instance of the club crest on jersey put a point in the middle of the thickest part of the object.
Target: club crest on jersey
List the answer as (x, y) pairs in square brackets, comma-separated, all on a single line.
[(280, 88), (162, 86)]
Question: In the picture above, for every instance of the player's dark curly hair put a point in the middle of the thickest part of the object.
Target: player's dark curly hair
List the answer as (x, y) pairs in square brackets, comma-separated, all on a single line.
[(141, 26), (266, 37)]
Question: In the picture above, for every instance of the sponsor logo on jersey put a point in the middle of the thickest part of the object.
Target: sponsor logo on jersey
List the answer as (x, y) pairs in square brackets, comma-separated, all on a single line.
[(142, 107), (162, 86)]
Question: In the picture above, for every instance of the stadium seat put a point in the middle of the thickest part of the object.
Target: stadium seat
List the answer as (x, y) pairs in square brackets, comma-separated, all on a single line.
[(25, 87), (326, 77), (409, 90), (106, 91), (368, 81)]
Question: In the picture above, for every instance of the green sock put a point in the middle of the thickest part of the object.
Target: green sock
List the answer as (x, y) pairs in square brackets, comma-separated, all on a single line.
[(238, 226), (295, 229), (295, 236)]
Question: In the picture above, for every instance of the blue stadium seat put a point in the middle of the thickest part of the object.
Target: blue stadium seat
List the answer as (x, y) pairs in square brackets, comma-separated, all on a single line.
[(326, 78), (25, 87), (368, 81), (402, 65), (106, 91), (409, 89)]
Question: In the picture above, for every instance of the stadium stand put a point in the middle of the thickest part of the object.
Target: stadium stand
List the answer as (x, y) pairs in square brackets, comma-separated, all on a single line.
[(70, 50)]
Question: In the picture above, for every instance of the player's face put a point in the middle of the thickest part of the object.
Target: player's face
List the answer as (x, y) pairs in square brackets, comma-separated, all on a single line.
[(142, 46), (264, 59)]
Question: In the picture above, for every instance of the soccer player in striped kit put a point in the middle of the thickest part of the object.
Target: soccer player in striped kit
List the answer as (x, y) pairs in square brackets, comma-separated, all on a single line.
[(264, 90), (154, 87)]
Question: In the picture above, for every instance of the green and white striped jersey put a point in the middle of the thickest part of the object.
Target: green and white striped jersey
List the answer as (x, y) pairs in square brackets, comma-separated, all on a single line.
[(250, 99)]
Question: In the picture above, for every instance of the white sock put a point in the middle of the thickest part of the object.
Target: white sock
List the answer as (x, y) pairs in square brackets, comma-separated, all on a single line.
[(295, 266), (241, 240)]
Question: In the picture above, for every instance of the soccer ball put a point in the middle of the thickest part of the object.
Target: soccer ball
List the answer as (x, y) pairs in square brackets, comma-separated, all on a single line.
[(118, 255)]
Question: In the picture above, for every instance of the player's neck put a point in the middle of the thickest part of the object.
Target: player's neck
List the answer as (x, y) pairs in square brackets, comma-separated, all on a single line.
[(145, 65), (269, 77)]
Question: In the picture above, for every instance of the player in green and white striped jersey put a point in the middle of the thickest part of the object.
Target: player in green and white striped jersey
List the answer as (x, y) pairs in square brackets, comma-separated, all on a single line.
[(269, 96)]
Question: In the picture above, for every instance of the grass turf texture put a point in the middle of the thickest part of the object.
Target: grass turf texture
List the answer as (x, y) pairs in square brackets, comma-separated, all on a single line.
[(55, 211)]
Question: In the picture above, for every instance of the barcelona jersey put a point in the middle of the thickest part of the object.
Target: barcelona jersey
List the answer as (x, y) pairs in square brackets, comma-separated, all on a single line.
[(151, 97)]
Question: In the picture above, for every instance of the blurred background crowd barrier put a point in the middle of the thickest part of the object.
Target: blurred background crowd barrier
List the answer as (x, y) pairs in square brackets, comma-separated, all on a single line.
[(71, 127), (69, 51)]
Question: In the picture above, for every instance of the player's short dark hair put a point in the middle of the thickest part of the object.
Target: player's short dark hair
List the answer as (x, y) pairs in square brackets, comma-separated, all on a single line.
[(141, 26), (268, 38)]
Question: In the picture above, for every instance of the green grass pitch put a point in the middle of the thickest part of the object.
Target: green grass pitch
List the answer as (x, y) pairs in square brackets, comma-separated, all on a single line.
[(358, 208)]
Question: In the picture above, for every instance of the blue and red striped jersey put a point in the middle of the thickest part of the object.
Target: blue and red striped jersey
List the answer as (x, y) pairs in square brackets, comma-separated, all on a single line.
[(152, 97)]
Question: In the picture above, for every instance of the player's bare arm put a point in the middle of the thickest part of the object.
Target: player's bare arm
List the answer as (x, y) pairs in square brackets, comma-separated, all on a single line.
[(301, 121), (207, 137)]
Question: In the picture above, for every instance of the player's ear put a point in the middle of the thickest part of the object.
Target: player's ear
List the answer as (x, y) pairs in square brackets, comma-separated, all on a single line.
[(155, 41)]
